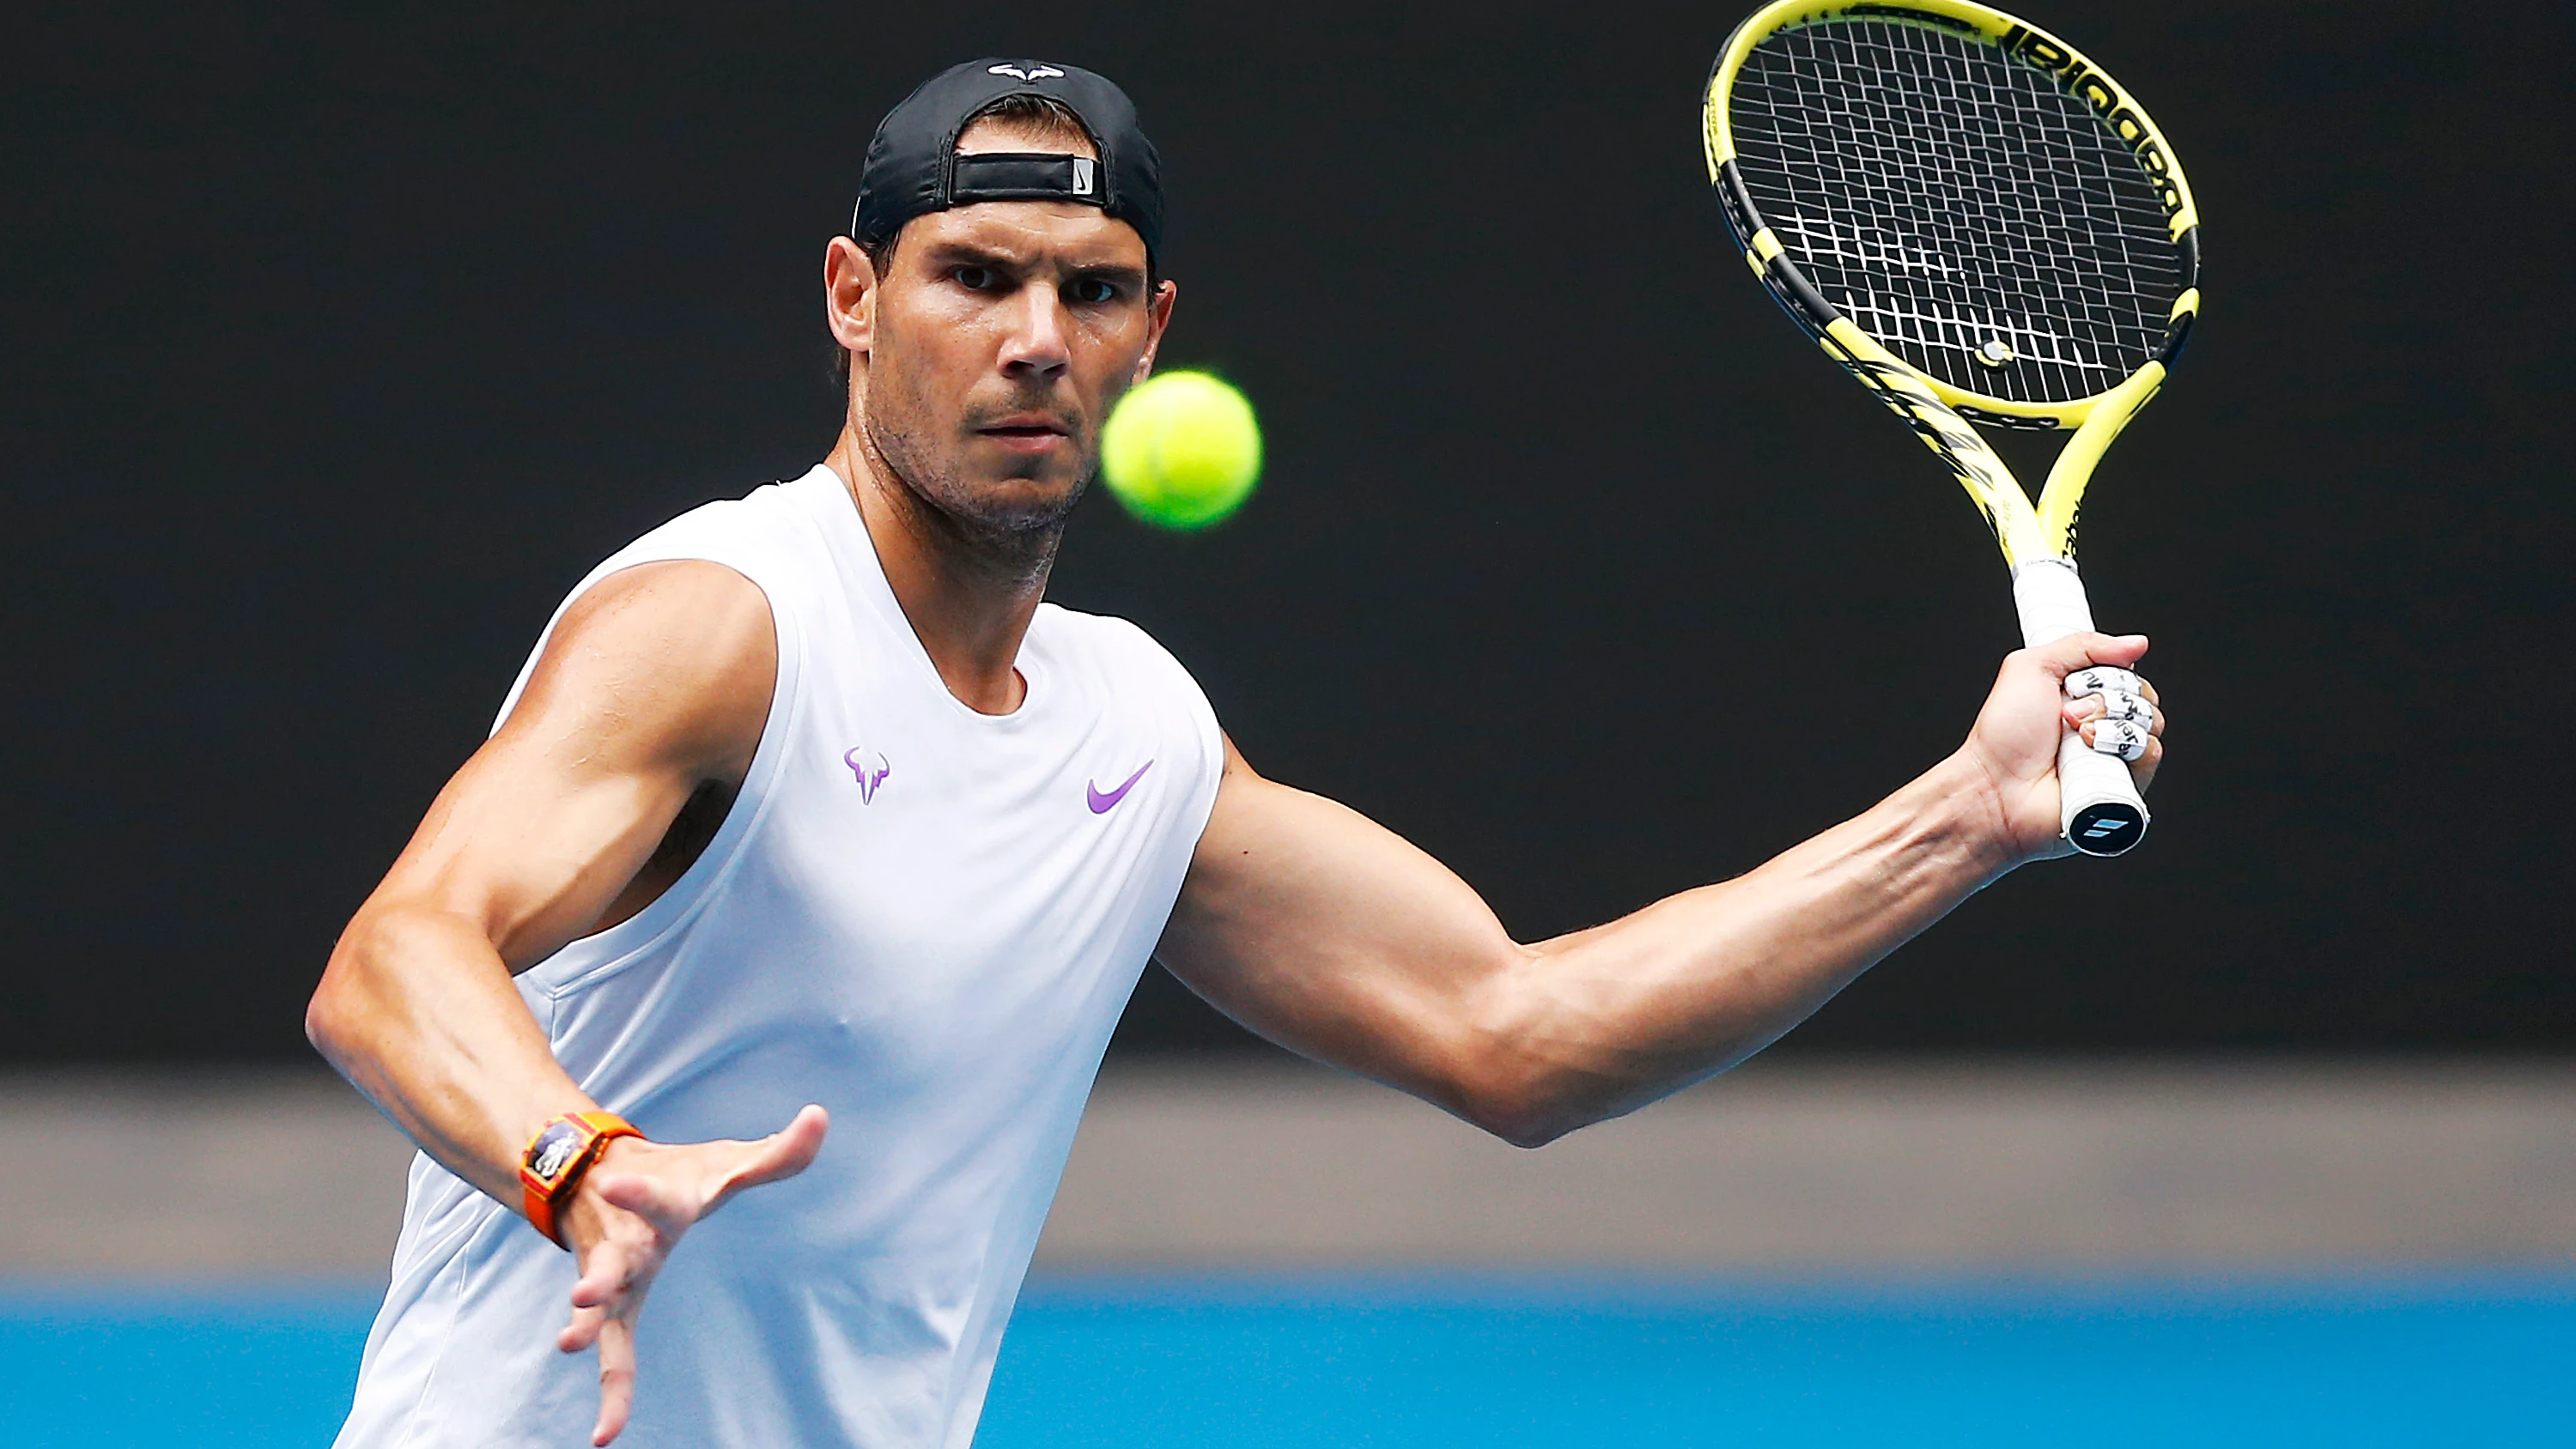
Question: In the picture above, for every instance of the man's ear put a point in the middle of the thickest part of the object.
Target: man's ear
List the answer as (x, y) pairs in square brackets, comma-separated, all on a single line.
[(1158, 316), (850, 295)]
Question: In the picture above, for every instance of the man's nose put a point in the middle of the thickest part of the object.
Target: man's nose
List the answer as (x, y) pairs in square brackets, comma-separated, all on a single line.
[(1035, 344)]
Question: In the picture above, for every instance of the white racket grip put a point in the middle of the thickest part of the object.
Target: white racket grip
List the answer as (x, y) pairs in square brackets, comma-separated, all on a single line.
[(2099, 809)]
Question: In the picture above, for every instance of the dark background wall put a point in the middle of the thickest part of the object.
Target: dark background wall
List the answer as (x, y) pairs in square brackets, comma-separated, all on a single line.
[(339, 344)]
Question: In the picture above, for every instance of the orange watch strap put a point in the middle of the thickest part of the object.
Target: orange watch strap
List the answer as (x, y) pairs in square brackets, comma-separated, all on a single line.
[(556, 1159)]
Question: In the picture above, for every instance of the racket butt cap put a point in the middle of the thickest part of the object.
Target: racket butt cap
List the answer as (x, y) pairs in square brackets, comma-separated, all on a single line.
[(2106, 828)]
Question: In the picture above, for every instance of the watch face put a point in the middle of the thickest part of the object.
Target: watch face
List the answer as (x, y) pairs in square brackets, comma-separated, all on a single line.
[(553, 1149)]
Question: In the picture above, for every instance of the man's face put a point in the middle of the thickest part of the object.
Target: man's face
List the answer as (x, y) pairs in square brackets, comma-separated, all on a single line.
[(1002, 333)]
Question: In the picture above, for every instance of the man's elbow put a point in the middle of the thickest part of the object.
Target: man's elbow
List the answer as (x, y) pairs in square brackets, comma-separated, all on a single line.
[(334, 1015), (1526, 1105), (326, 1014), (1531, 1131), (1530, 1098), (1498, 1077)]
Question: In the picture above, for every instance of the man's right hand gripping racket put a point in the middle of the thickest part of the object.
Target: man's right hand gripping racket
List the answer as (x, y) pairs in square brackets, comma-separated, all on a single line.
[(1979, 225)]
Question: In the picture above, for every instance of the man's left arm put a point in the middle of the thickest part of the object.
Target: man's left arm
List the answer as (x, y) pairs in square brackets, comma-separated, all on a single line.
[(1332, 936)]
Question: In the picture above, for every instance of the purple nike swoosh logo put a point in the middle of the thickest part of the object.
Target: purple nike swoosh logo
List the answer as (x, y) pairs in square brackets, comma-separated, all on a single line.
[(1100, 803)]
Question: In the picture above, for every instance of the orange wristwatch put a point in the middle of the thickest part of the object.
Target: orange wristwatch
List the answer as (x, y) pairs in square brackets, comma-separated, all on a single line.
[(558, 1155)]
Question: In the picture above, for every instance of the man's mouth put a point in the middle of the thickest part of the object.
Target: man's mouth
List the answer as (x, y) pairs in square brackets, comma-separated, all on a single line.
[(1026, 433)]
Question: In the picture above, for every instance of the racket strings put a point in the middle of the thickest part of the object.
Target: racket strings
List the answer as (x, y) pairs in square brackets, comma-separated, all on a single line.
[(1957, 206)]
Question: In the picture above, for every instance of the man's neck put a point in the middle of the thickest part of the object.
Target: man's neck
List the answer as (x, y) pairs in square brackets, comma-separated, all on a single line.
[(968, 595)]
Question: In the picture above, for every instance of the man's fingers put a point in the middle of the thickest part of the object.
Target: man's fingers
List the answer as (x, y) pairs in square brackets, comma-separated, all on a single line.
[(788, 1151), (781, 1155), (2120, 737), (582, 1331), (616, 1380), (650, 1196), (2118, 706), (2143, 769), (2063, 657), (2142, 764), (609, 1272)]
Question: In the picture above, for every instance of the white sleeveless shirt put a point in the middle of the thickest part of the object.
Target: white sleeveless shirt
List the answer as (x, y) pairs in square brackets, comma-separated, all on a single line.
[(924, 918)]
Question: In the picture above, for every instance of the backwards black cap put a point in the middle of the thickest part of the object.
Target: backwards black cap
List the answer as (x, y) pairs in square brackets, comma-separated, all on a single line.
[(913, 166)]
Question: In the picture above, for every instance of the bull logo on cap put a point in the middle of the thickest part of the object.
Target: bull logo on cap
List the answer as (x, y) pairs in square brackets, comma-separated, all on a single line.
[(1033, 73)]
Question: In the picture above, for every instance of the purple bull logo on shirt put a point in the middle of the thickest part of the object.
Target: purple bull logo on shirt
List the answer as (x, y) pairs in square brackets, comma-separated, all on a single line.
[(871, 769)]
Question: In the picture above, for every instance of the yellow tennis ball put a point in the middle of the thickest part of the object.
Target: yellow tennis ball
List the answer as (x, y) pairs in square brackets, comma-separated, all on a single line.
[(1181, 450)]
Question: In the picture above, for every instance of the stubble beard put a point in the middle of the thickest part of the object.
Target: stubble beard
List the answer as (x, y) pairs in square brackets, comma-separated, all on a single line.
[(1018, 539)]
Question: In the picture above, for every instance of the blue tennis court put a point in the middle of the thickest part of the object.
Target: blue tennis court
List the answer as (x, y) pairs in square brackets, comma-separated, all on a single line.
[(1431, 1362)]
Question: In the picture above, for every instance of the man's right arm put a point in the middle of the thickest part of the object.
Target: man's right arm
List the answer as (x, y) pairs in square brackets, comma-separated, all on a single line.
[(654, 686)]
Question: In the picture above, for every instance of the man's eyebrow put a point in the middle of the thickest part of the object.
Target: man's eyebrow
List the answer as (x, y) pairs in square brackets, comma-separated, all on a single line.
[(1114, 270), (958, 251), (953, 252)]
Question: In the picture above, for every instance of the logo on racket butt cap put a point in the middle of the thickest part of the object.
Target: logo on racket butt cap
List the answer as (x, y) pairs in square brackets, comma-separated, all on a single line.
[(2108, 829)]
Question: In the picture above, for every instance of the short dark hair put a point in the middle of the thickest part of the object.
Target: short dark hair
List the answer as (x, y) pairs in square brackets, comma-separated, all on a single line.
[(1043, 116)]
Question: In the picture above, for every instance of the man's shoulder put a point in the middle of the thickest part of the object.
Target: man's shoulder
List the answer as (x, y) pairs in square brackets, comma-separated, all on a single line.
[(681, 650), (1117, 652), (768, 512), (768, 537), (705, 602), (1128, 675), (1105, 637)]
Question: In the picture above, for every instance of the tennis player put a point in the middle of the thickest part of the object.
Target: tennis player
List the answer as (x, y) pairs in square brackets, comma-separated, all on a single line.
[(807, 803)]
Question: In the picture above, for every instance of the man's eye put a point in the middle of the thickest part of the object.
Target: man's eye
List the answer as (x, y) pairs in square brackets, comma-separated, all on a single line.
[(1091, 292), (974, 279)]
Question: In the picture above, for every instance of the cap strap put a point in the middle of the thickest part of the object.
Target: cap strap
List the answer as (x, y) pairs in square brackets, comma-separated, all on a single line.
[(1020, 176)]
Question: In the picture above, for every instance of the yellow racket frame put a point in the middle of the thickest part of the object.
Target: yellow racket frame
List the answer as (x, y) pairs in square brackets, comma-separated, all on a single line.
[(1931, 407)]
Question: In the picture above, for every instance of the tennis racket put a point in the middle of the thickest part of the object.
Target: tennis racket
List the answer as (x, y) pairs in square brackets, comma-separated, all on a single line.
[(1983, 228)]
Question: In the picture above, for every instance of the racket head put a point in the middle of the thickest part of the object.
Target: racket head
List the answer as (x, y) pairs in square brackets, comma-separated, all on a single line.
[(1937, 188)]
